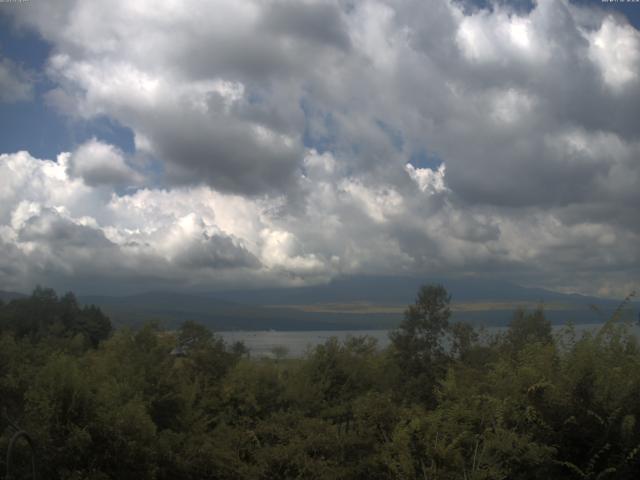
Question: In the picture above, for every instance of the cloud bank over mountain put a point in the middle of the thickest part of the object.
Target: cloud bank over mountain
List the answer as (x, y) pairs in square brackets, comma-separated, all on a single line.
[(290, 142)]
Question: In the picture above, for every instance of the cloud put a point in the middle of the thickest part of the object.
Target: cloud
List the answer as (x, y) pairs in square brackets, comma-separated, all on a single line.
[(189, 243), (58, 230), (314, 22), (298, 141), (427, 178), (98, 163), (15, 83), (615, 48), (49, 227)]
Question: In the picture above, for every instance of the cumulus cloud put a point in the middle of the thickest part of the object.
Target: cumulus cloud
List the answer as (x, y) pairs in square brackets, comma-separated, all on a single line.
[(427, 178), (98, 163), (615, 48), (303, 140), (60, 228)]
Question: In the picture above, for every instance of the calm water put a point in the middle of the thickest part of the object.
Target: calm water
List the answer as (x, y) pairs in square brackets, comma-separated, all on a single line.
[(297, 343)]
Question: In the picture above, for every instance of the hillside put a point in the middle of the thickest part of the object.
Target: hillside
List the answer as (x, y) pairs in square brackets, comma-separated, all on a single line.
[(348, 303), (8, 296)]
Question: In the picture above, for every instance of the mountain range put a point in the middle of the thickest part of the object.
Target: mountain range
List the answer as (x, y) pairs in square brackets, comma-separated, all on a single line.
[(347, 303)]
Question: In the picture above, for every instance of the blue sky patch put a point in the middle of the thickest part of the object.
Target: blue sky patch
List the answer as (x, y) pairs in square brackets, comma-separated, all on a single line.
[(423, 159)]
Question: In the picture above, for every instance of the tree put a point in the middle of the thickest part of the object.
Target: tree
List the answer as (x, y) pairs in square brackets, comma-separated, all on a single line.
[(194, 335), (94, 324), (417, 343), (45, 316), (526, 328), (206, 352)]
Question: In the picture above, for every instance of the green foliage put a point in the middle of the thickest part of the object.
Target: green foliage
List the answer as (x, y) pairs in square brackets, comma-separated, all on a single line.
[(45, 316), (439, 403), (526, 328), (417, 344)]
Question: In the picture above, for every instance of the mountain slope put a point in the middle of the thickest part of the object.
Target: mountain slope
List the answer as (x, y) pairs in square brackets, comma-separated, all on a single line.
[(8, 296), (346, 303)]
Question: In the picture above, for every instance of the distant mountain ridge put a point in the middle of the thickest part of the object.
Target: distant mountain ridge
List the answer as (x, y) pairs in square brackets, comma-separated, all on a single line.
[(355, 303), (392, 290), (8, 296)]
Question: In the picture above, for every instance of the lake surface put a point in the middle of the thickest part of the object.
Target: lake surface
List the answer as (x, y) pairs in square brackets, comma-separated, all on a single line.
[(297, 343)]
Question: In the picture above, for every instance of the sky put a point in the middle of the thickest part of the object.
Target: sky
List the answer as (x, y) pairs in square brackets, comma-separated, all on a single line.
[(237, 144)]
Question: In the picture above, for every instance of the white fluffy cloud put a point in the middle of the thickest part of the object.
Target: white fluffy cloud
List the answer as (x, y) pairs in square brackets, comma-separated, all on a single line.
[(615, 48), (98, 163), (302, 140), (59, 229)]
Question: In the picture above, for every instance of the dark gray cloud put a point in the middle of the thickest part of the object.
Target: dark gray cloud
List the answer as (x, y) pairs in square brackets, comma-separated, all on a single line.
[(217, 252), (234, 155), (321, 23), (52, 230)]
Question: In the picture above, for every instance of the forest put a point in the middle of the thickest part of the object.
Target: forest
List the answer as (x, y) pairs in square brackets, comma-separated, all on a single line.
[(443, 401)]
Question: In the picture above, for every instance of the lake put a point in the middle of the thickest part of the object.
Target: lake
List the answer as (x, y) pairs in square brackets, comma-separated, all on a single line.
[(297, 343)]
